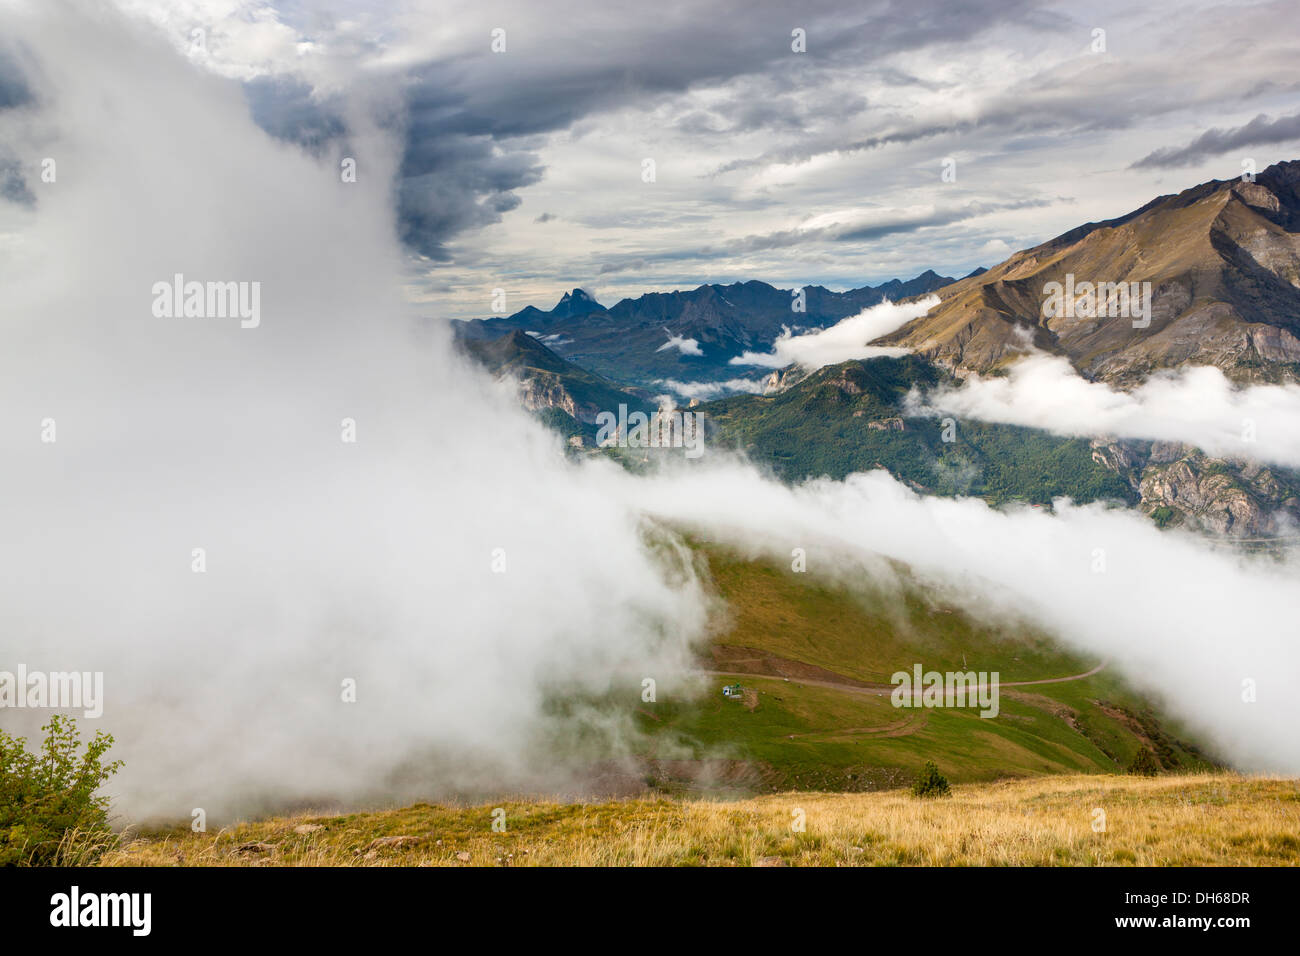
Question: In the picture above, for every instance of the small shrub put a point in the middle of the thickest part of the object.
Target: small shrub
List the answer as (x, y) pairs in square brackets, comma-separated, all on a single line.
[(49, 813), (1163, 516), (1144, 763), (930, 782)]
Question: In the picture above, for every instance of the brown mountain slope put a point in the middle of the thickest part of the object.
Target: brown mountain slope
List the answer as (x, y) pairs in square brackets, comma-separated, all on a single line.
[(1223, 260)]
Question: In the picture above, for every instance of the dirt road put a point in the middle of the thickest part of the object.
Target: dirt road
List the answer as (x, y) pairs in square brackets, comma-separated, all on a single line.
[(858, 687)]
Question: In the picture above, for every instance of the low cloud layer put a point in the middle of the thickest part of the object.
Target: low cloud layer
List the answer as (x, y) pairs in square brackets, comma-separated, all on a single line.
[(1197, 406), (707, 390), (199, 529), (843, 341), (683, 344)]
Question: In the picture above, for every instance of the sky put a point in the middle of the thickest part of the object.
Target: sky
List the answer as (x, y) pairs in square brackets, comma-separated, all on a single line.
[(524, 168)]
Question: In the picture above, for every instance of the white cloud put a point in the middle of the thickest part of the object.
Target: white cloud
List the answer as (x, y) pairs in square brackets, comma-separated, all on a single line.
[(687, 346), (845, 340), (1198, 406), (995, 250), (325, 561), (708, 390), (554, 339)]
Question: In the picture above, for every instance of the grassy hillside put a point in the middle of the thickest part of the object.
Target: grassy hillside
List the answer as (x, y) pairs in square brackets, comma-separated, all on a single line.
[(1196, 820), (817, 658)]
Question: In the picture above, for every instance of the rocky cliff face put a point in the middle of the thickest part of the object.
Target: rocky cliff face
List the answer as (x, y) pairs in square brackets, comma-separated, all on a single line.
[(539, 391), (546, 381), (1181, 486)]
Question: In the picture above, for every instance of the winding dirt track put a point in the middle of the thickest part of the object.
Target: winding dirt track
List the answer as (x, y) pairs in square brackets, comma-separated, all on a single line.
[(903, 728), (878, 689)]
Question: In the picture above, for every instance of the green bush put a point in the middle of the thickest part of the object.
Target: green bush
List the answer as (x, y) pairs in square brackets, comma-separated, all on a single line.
[(1144, 763), (930, 782), (49, 813), (1163, 516)]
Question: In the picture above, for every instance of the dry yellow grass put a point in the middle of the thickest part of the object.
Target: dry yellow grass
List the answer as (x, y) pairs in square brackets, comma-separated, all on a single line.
[(1218, 819)]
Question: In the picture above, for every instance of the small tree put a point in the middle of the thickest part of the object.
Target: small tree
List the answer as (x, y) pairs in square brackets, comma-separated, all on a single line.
[(1144, 763), (930, 782), (47, 799)]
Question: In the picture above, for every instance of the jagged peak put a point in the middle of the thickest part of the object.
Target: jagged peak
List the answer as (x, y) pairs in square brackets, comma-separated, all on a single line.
[(577, 298)]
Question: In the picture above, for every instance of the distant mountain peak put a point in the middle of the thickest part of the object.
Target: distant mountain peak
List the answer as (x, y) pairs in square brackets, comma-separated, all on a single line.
[(576, 302)]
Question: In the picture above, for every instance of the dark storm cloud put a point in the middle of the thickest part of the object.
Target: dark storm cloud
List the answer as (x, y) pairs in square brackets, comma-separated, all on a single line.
[(14, 90), (471, 114), (452, 182), (469, 117), (1261, 131), (13, 185), (287, 109)]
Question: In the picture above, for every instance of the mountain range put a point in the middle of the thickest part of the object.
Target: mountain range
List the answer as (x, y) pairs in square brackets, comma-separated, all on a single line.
[(714, 323), (1223, 263)]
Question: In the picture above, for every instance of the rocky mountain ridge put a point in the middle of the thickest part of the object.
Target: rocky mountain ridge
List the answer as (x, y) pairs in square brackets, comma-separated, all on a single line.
[(1221, 262)]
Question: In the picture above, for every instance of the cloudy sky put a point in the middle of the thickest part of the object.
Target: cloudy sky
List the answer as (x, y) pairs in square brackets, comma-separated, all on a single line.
[(523, 169)]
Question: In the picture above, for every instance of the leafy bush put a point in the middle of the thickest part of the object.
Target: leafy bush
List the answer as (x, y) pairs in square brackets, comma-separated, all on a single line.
[(1144, 763), (930, 782), (1162, 516), (49, 813)]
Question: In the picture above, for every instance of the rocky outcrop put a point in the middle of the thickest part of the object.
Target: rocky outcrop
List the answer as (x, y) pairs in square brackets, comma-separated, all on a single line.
[(546, 381), (540, 391), (783, 378), (1181, 486), (894, 424)]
